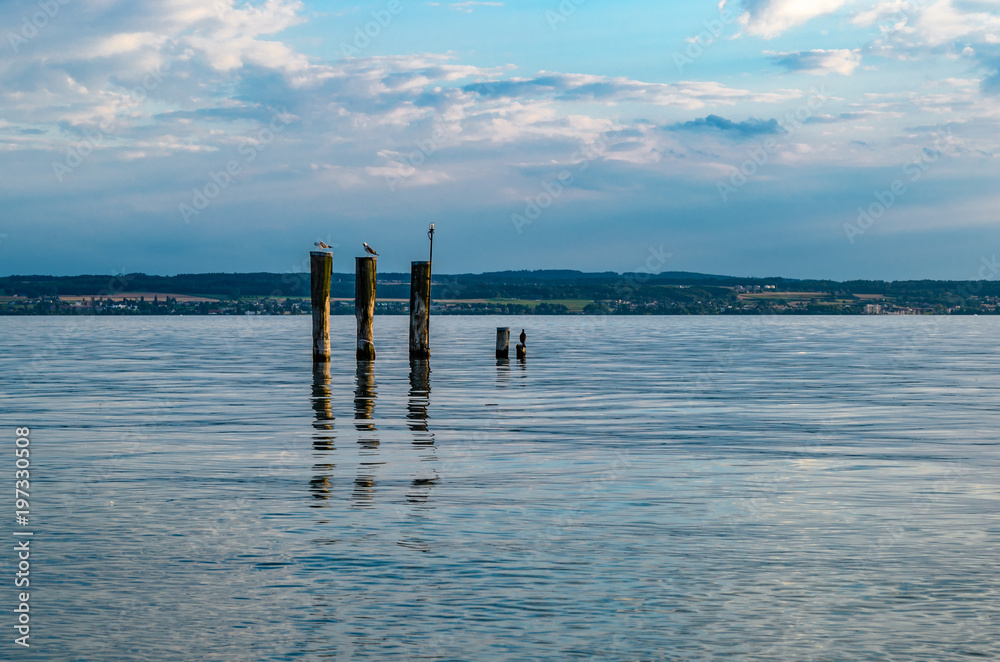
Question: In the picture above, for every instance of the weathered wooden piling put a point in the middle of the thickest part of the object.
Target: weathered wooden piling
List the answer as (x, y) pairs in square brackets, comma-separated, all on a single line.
[(364, 306), (503, 342), (320, 267), (522, 352), (420, 307)]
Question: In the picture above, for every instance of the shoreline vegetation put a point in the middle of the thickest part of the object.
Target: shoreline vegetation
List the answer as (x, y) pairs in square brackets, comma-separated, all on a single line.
[(546, 292)]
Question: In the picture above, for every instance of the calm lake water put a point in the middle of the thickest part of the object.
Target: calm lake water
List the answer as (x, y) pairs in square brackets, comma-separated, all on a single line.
[(698, 488)]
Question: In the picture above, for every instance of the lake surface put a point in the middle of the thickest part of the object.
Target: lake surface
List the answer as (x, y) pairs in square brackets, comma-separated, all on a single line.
[(698, 488)]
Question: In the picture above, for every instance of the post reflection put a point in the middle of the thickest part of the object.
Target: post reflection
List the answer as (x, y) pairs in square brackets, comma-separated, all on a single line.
[(419, 398), (322, 397), (364, 396), (503, 372), (365, 393), (320, 485), (417, 404)]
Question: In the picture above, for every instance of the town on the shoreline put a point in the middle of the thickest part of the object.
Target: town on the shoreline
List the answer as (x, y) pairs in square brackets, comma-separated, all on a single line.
[(513, 292)]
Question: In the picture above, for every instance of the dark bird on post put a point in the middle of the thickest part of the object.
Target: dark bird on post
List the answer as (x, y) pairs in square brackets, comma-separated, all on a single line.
[(321, 244), (524, 336), (369, 249)]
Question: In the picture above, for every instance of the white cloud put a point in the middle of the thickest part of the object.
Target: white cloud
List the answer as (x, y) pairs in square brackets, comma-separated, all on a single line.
[(358, 121), (586, 88), (75, 77), (943, 22), (819, 62), (468, 7), (125, 42), (907, 24), (770, 18), (951, 28)]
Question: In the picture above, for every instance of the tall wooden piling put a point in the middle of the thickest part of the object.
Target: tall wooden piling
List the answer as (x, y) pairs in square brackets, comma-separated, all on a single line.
[(364, 306), (320, 267), (420, 308), (522, 352), (503, 342)]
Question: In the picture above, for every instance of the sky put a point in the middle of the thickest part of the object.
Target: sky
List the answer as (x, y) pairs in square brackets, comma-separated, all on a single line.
[(823, 139)]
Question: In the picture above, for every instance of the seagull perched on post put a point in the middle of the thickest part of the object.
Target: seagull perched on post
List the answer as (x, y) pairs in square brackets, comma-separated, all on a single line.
[(321, 244), (369, 249)]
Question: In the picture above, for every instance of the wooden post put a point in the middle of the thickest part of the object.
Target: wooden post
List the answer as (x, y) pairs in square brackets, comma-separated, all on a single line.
[(321, 266), (364, 306), (522, 352), (503, 342), (420, 308)]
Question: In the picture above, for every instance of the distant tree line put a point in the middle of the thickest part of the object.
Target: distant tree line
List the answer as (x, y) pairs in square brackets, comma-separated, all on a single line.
[(630, 293)]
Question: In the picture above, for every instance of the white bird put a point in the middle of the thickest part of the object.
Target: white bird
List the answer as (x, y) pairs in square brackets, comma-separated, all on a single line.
[(321, 244), (369, 249)]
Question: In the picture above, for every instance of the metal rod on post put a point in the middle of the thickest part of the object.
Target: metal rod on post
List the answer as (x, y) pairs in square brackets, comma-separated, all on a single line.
[(364, 306), (420, 303), (430, 261), (430, 235), (320, 267)]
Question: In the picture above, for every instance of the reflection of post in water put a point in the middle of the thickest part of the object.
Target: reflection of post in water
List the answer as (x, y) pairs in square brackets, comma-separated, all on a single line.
[(364, 407), (364, 396), (416, 415), (503, 372), (419, 398), (322, 402), (323, 438)]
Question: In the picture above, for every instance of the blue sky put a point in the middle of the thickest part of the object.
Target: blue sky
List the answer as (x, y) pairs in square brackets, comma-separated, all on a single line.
[(828, 139)]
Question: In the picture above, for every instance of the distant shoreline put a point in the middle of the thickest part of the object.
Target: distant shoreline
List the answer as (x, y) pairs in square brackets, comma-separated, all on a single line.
[(545, 292)]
